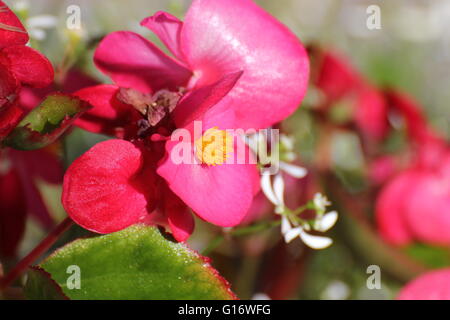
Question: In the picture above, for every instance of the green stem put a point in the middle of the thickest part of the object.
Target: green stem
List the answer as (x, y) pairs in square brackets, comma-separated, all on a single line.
[(35, 254)]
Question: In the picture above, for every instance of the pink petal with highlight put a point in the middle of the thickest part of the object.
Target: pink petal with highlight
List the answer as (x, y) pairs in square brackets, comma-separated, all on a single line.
[(216, 40), (133, 62), (168, 29)]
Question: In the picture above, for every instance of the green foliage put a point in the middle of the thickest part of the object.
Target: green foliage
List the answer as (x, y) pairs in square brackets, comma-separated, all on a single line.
[(44, 124), (136, 263), (433, 257)]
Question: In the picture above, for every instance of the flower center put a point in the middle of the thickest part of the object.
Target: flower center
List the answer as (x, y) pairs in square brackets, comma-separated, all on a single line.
[(214, 146)]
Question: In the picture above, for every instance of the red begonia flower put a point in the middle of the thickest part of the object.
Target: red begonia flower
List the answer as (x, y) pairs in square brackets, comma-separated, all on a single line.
[(336, 78), (433, 285), (415, 204), (73, 80), (383, 168), (371, 112), (226, 74), (19, 65), (416, 123), (19, 174), (12, 31), (13, 212), (339, 81), (112, 186)]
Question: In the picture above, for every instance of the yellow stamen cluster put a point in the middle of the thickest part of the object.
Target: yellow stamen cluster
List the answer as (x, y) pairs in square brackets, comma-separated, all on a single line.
[(214, 147)]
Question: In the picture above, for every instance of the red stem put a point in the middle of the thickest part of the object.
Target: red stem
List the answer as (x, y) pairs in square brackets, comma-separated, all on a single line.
[(35, 254)]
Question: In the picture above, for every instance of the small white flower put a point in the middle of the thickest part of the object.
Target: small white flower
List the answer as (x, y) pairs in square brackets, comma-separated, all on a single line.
[(321, 202), (37, 26), (315, 242), (43, 21), (21, 5), (261, 296), (278, 188), (293, 170), (326, 222), (292, 234), (336, 290), (266, 187), (287, 142), (285, 225)]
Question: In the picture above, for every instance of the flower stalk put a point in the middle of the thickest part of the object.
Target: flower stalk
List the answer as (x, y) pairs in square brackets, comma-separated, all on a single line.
[(45, 244)]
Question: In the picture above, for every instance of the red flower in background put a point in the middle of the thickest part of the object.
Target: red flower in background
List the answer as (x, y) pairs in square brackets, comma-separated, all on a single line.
[(339, 81), (415, 204), (20, 172), (335, 77), (19, 65), (433, 285), (73, 80), (232, 76)]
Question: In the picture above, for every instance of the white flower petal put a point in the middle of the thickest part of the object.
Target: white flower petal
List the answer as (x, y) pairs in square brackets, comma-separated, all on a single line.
[(287, 142), (21, 5), (290, 156), (266, 187), (279, 209), (292, 234), (285, 225), (315, 242), (278, 188), (293, 170), (321, 202), (327, 221), (260, 296), (44, 21), (37, 34)]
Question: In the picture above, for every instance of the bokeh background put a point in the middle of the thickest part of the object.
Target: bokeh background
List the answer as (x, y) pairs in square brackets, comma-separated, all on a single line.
[(411, 51)]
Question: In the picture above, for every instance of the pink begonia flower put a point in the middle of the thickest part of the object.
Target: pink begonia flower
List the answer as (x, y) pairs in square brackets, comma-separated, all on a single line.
[(224, 72), (415, 204), (383, 168), (19, 65), (433, 285), (371, 112), (339, 81)]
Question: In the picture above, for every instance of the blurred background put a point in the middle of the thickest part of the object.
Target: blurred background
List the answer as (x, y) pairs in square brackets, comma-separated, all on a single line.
[(411, 51)]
